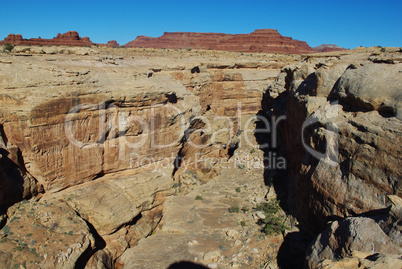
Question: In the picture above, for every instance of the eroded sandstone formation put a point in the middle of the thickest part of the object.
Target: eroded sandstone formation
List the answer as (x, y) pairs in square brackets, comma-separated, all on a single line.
[(92, 149), (71, 38), (262, 40), (342, 137), (362, 104), (103, 136)]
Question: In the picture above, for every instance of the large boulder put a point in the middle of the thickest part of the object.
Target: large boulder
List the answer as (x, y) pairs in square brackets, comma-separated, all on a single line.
[(352, 234), (363, 260), (371, 86), (44, 235)]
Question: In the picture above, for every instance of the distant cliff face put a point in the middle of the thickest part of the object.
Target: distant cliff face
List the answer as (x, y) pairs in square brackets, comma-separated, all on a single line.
[(263, 40), (71, 38), (327, 48)]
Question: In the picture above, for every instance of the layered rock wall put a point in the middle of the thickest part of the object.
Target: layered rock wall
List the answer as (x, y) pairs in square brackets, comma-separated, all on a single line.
[(262, 40), (101, 137)]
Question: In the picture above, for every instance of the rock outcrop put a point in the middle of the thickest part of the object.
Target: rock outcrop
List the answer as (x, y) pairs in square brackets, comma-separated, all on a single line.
[(342, 133), (112, 44), (352, 234), (374, 241), (100, 137), (363, 260), (71, 38), (263, 40), (44, 235), (327, 48), (97, 144)]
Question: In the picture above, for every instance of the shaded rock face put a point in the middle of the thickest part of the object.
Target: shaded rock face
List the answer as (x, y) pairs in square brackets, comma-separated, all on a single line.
[(263, 40), (15, 182), (351, 155), (71, 38), (354, 234)]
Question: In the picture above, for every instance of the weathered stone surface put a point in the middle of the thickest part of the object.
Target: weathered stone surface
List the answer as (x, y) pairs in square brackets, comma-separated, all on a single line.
[(29, 50), (371, 87), (115, 200), (77, 133), (119, 188), (262, 40), (363, 260), (44, 235), (352, 172), (202, 230), (220, 89), (351, 234), (75, 147)]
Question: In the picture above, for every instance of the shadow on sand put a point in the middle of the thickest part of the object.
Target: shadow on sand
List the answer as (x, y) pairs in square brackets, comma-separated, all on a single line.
[(186, 265)]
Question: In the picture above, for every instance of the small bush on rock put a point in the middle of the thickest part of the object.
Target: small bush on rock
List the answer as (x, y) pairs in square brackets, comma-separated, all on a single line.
[(272, 223)]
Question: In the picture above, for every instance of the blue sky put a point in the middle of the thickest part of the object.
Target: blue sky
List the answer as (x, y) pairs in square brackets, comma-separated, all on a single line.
[(346, 23)]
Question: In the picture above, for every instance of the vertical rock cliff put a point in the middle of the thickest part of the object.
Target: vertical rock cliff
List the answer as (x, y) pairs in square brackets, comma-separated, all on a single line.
[(342, 137)]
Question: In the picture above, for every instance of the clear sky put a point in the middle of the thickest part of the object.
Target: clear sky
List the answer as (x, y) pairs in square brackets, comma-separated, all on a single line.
[(346, 23)]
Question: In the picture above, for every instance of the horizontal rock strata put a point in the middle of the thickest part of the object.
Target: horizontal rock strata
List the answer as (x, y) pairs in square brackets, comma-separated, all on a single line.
[(262, 40)]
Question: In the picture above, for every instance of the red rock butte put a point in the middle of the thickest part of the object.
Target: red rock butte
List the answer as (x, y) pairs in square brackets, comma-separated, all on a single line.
[(262, 40), (71, 38)]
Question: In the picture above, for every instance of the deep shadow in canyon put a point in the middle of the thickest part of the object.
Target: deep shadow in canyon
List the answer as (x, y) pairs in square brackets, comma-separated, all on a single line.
[(292, 252)]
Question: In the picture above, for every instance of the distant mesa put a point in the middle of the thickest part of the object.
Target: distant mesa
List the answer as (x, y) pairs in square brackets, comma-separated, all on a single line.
[(112, 44), (262, 40), (327, 48), (71, 38)]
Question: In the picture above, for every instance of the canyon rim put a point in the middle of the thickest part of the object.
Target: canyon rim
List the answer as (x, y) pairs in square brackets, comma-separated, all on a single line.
[(199, 155)]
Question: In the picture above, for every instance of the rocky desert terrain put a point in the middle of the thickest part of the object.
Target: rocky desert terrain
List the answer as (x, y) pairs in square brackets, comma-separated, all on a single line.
[(177, 158)]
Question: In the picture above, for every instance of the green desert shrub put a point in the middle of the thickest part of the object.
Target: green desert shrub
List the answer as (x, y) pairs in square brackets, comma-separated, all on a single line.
[(8, 47), (271, 207), (272, 223), (234, 209)]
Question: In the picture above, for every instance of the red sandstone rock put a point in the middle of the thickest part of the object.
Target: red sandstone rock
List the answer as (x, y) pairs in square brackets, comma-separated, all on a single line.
[(71, 38), (263, 40), (112, 44)]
